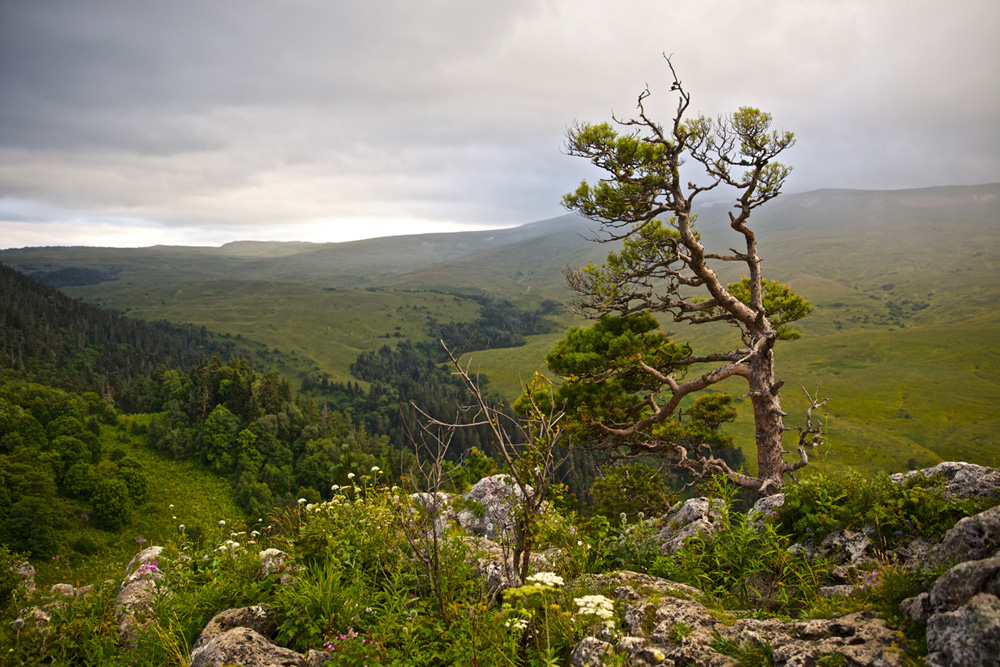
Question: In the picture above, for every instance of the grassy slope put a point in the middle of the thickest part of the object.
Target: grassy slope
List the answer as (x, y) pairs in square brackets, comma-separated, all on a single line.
[(906, 286), (178, 489)]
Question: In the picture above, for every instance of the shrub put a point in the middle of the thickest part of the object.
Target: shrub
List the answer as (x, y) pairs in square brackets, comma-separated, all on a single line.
[(112, 504)]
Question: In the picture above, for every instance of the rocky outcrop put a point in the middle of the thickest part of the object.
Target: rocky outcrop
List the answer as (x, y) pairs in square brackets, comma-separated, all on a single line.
[(246, 647), (972, 538), (962, 614), (962, 480), (137, 596), (665, 623)]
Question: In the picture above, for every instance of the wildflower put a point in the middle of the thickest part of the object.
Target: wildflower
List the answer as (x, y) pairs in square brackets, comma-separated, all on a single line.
[(180, 528), (171, 507), (335, 487), (376, 469), (301, 500), (517, 624), (173, 518), (595, 605), (350, 475), (222, 523), (547, 579)]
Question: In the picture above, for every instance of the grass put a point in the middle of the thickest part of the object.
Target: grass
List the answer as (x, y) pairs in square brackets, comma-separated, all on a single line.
[(178, 489)]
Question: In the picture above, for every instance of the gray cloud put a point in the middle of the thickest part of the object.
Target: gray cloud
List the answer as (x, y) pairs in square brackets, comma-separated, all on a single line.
[(260, 120)]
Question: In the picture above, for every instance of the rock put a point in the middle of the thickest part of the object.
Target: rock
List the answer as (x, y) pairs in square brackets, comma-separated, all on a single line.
[(272, 560), (134, 610), (665, 623), (962, 480), (972, 538), (498, 496), (765, 509), (966, 637), (961, 583), (917, 608), (66, 590), (144, 556), (27, 573), (316, 658), (256, 618), (137, 596), (246, 647), (853, 547), (436, 507), (697, 516), (590, 652), (495, 563)]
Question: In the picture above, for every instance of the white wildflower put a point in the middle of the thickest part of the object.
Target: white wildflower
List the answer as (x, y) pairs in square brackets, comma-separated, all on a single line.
[(547, 579), (350, 475), (376, 469), (595, 605)]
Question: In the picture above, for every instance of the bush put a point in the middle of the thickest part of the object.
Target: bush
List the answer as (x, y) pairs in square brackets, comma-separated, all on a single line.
[(112, 504)]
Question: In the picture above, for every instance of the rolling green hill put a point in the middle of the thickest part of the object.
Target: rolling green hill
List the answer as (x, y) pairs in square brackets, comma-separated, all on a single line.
[(905, 284)]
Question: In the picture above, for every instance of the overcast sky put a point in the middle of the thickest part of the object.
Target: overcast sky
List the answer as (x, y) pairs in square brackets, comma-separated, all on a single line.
[(133, 123)]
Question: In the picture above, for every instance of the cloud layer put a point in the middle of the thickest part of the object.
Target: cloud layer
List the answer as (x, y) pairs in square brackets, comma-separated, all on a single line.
[(126, 123)]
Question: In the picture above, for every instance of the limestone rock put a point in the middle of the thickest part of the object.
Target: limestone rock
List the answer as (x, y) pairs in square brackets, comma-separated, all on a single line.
[(495, 563), (144, 556), (962, 480), (65, 590), (664, 623), (27, 573), (589, 652), (272, 560), (137, 596), (498, 496), (850, 546), (766, 509), (966, 637), (256, 618), (961, 583), (246, 647), (972, 538), (697, 516)]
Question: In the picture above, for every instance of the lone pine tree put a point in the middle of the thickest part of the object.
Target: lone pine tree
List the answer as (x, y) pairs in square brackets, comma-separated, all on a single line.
[(624, 379)]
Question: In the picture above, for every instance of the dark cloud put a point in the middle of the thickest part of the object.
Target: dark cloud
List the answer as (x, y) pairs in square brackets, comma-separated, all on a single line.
[(261, 119)]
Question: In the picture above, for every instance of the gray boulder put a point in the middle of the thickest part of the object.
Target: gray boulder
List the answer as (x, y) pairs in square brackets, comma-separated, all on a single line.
[(137, 596), (766, 509), (972, 538), (664, 623), (27, 573), (590, 652), (257, 618), (962, 480), (966, 637), (697, 516), (498, 495), (246, 647)]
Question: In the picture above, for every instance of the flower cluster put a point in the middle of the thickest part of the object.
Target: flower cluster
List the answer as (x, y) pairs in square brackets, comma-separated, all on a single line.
[(546, 579), (351, 643), (870, 580), (596, 605), (148, 567)]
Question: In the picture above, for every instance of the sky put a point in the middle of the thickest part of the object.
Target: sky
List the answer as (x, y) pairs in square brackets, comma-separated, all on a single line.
[(199, 122)]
